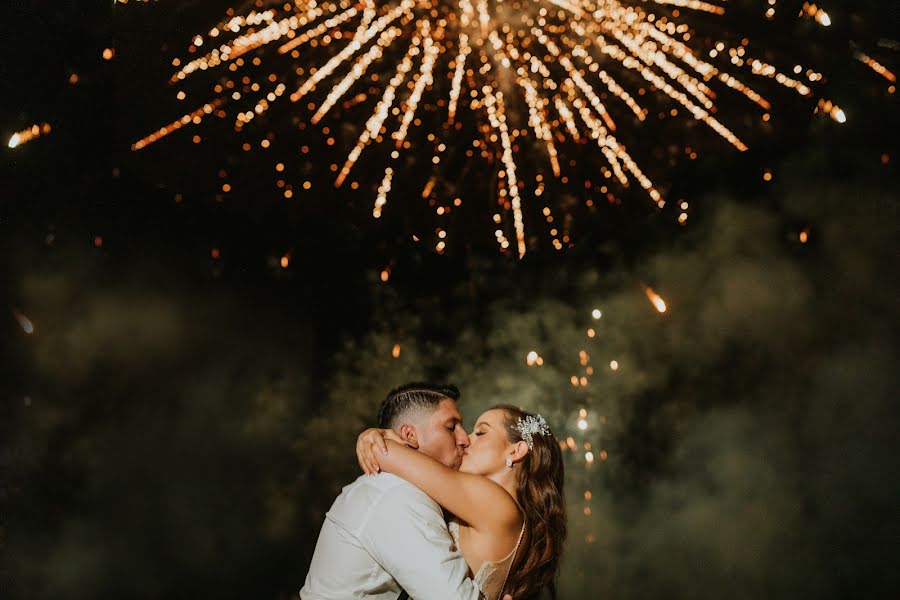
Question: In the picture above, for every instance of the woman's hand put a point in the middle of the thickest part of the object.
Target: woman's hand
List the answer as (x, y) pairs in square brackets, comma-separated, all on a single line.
[(369, 444)]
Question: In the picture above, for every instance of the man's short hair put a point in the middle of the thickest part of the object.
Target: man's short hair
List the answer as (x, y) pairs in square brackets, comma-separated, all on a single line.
[(411, 397)]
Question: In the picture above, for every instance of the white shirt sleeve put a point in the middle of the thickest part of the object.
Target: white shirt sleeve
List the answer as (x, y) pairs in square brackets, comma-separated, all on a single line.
[(406, 534)]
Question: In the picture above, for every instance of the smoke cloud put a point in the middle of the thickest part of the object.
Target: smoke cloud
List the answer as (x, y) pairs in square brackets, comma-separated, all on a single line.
[(186, 438)]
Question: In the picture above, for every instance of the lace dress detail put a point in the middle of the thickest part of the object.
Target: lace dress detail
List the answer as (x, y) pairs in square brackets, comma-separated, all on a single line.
[(492, 575)]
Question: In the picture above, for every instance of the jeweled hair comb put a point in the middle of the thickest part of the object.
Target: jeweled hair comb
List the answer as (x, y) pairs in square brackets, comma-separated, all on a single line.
[(530, 425)]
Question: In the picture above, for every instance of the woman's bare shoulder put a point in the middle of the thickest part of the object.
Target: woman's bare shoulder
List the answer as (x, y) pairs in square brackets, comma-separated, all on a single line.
[(502, 512)]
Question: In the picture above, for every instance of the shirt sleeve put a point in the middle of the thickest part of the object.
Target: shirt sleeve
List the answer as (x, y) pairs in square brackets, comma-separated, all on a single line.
[(406, 533)]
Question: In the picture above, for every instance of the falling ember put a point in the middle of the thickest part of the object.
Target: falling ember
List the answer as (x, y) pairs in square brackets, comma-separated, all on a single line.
[(533, 358), (876, 66), (395, 351), (24, 322), (557, 71), (832, 110), (26, 135), (194, 117), (811, 10), (655, 299), (426, 191)]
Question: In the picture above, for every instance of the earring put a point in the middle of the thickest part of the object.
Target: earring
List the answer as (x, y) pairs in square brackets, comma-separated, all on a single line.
[(509, 463)]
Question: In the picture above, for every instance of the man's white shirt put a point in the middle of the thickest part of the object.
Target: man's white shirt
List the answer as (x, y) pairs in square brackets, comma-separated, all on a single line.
[(383, 533)]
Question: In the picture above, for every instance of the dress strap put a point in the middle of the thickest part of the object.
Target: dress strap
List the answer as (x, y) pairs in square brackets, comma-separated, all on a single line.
[(512, 560)]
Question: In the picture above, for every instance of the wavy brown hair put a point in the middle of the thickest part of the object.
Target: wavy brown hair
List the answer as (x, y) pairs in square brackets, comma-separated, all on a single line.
[(539, 490)]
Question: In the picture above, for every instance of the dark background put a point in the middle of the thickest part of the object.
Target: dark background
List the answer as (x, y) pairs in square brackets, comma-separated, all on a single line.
[(178, 423)]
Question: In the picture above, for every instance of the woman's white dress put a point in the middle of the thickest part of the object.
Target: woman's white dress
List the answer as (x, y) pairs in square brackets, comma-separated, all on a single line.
[(491, 576)]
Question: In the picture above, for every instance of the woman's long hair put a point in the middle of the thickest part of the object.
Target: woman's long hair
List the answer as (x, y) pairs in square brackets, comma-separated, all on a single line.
[(539, 490)]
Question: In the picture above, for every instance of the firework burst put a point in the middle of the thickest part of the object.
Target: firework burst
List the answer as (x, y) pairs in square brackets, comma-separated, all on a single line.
[(559, 72)]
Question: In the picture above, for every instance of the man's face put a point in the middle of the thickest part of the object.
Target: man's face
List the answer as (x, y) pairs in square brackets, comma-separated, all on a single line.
[(442, 436)]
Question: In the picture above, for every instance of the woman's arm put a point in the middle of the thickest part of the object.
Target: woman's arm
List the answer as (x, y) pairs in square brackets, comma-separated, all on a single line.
[(370, 441), (480, 502)]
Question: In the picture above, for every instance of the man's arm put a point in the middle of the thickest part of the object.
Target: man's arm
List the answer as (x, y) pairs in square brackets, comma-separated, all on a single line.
[(406, 534)]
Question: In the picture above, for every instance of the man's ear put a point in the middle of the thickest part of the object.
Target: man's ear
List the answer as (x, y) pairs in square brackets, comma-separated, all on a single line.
[(408, 434)]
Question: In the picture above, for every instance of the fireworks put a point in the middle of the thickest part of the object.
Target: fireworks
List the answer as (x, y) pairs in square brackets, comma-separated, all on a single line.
[(551, 74)]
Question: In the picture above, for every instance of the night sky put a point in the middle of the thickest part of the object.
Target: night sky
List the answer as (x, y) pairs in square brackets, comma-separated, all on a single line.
[(188, 354)]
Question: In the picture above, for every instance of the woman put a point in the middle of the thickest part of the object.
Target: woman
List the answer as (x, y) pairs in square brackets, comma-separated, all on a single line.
[(507, 497)]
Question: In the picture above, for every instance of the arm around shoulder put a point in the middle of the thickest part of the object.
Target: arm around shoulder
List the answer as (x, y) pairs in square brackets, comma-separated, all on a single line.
[(479, 501)]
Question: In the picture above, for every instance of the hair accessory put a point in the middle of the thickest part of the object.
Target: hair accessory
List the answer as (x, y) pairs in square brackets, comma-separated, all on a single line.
[(531, 425)]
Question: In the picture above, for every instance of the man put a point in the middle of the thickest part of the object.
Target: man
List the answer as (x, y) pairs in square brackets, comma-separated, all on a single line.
[(383, 535)]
